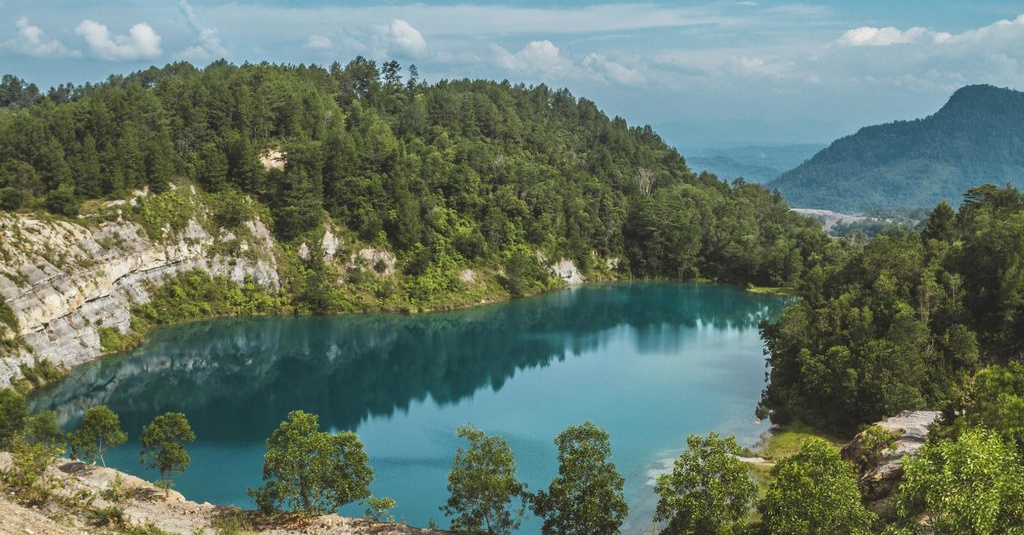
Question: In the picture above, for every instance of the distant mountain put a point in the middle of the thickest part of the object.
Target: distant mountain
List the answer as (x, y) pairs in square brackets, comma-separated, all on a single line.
[(758, 163), (977, 137)]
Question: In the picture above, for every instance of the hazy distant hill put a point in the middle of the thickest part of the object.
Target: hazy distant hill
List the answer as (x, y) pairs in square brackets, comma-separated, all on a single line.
[(977, 137), (758, 163)]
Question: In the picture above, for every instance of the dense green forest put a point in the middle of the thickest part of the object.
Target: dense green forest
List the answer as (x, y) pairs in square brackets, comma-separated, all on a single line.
[(451, 174), (904, 321), (975, 138), (928, 319)]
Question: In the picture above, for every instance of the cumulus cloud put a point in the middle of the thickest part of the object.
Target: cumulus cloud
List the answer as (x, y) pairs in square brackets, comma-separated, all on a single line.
[(543, 58), (209, 46), (319, 42), (613, 71), (871, 36), (142, 42), (402, 37), (998, 31), (540, 57), (32, 41)]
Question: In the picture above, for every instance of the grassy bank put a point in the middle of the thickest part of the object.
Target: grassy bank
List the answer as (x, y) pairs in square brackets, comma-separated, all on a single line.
[(781, 442)]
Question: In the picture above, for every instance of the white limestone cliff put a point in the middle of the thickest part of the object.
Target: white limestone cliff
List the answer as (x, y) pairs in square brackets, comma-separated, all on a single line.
[(65, 281)]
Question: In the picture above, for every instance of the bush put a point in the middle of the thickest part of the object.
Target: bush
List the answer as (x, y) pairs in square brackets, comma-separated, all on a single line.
[(27, 476), (13, 413), (11, 199)]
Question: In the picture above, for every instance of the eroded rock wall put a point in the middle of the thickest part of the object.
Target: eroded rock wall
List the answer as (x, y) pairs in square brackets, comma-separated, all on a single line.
[(65, 281)]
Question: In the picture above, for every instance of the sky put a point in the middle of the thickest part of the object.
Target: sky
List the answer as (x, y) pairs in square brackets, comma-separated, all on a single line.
[(704, 74)]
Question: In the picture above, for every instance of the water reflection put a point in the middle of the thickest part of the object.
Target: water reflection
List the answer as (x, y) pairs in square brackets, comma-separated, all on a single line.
[(237, 379)]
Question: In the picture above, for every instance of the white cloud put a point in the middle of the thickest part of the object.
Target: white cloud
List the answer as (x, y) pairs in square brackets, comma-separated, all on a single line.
[(142, 42), (997, 31), (209, 46), (402, 37), (614, 71), (543, 58), (319, 42), (538, 57), (871, 36), (32, 41)]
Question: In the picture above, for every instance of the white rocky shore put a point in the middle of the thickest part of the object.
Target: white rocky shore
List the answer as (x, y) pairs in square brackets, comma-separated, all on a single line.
[(147, 505)]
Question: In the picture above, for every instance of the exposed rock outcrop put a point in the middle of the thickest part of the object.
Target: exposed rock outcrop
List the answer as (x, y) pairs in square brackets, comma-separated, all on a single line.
[(881, 466), (566, 270), (273, 158), (379, 260), (65, 281)]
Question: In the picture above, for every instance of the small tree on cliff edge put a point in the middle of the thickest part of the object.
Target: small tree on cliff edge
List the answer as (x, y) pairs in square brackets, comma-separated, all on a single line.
[(312, 472), (709, 490), (100, 431), (586, 498), (163, 446), (482, 485)]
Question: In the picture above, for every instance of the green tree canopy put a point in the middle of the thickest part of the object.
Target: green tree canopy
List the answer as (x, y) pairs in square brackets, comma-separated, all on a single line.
[(100, 431), (310, 471), (970, 485), (709, 491), (814, 492), (941, 224), (42, 429), (13, 413), (482, 485), (902, 322), (586, 497), (996, 401), (163, 445)]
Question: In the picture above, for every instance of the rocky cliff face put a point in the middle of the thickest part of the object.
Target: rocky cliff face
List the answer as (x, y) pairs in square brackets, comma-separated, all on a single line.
[(881, 466), (65, 281)]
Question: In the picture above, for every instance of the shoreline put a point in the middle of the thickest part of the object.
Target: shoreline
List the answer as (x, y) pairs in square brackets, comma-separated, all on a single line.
[(144, 337)]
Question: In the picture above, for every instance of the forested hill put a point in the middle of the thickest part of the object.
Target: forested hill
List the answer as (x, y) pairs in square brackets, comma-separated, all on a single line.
[(446, 175), (976, 138)]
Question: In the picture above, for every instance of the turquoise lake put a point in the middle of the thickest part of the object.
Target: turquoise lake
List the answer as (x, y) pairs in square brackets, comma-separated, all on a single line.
[(649, 362)]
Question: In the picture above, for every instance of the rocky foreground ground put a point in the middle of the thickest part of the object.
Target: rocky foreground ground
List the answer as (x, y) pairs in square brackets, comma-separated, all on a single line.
[(146, 506)]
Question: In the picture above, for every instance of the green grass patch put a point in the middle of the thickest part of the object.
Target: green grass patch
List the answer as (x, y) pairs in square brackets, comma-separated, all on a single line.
[(7, 316), (112, 340), (783, 441), (771, 290), (42, 373), (779, 443)]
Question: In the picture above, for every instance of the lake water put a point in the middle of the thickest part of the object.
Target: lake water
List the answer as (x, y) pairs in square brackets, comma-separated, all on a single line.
[(649, 362)]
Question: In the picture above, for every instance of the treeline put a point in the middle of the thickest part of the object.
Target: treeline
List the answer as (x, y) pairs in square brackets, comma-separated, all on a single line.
[(445, 174)]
